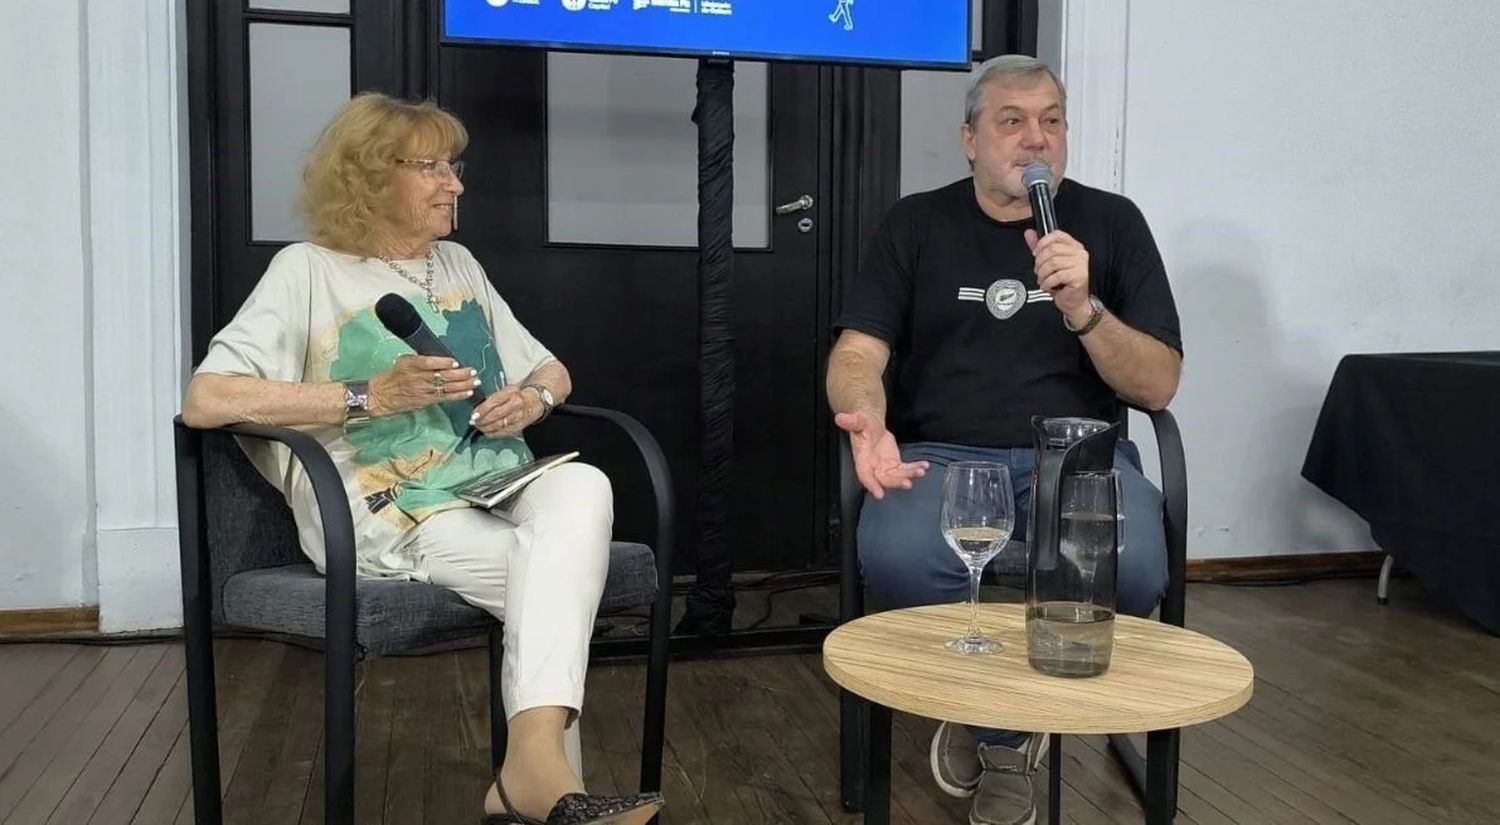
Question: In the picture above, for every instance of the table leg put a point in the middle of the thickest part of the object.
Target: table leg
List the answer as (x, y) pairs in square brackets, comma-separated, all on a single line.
[(854, 720), (1382, 587), (1054, 779), (1161, 779), (878, 783)]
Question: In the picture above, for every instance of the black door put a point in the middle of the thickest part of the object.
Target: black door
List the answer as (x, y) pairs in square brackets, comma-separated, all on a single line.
[(625, 318), (261, 81)]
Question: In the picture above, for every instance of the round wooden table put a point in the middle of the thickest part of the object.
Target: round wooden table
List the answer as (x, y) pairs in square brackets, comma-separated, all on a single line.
[(1160, 678)]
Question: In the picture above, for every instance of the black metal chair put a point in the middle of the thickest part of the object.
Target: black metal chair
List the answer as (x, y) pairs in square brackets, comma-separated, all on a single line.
[(1159, 768), (242, 568)]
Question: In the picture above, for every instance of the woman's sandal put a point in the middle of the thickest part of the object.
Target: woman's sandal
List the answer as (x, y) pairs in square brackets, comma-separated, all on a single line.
[(583, 809)]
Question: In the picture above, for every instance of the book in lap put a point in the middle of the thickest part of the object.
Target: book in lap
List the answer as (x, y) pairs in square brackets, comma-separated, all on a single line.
[(492, 488)]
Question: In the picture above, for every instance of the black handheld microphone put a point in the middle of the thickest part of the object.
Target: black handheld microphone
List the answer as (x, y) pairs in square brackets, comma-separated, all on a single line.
[(401, 318), (1038, 179)]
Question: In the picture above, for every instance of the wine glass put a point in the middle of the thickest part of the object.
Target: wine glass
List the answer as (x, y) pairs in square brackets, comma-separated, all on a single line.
[(977, 517)]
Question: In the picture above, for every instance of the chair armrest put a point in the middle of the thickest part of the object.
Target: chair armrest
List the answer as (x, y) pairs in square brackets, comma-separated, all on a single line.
[(851, 498), (333, 508), (1175, 503), (658, 471), (851, 492)]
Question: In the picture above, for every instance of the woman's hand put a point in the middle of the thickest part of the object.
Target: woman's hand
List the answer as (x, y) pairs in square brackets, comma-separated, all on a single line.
[(506, 413), (418, 381)]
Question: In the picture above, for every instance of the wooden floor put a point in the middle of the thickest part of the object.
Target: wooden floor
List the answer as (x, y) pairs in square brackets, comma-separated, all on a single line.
[(1361, 714)]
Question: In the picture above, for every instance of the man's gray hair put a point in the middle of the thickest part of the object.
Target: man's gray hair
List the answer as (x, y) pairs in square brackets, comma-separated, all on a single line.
[(1006, 67)]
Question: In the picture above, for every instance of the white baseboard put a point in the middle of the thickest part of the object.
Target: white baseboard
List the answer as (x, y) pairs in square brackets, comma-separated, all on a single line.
[(140, 581)]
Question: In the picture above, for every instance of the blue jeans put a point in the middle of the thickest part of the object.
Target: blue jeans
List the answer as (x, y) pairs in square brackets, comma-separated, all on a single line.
[(907, 563)]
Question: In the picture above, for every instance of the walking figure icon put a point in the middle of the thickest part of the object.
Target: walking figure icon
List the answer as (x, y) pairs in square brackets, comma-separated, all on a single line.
[(845, 10)]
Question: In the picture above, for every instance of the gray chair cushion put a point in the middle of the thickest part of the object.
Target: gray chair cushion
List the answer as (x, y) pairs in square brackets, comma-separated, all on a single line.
[(631, 581), (247, 524), (394, 616)]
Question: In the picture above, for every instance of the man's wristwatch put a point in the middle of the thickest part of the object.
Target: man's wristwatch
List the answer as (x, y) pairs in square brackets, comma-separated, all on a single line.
[(545, 396), (356, 402), (1096, 312)]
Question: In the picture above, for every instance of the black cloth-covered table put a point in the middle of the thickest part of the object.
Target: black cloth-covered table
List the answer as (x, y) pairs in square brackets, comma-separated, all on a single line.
[(1411, 442)]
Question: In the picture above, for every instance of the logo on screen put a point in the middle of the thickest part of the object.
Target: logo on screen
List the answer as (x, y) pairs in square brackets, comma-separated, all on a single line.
[(845, 11), (574, 5), (497, 3)]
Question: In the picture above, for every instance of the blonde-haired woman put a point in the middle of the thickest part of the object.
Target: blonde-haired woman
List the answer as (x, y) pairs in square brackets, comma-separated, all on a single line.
[(380, 188)]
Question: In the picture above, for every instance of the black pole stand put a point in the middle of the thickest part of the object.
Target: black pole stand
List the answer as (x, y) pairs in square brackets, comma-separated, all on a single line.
[(706, 627), (710, 605)]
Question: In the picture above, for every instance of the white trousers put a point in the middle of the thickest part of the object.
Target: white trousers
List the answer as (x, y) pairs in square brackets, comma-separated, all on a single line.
[(537, 563)]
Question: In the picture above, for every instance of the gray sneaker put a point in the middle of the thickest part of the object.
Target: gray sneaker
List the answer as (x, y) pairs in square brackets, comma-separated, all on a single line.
[(955, 760), (1004, 795)]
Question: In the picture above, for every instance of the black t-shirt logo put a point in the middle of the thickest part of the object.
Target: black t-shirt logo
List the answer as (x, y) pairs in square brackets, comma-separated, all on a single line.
[(1006, 296)]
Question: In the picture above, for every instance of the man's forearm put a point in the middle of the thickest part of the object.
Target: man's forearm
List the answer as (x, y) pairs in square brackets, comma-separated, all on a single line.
[(854, 384), (1134, 364)]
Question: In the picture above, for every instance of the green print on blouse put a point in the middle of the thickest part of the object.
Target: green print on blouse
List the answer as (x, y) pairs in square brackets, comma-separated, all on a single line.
[(404, 443)]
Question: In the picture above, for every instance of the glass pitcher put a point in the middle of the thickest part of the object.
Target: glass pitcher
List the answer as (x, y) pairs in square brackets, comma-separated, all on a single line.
[(1076, 530)]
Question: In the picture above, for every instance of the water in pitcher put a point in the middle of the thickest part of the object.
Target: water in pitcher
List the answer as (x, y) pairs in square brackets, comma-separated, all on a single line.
[(1070, 638), (1075, 638), (1087, 541)]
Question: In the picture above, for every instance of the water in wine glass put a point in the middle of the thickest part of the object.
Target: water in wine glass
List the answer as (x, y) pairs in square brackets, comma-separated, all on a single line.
[(976, 545)]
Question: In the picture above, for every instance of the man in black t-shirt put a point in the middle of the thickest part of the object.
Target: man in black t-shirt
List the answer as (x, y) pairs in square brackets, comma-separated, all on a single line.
[(988, 325)]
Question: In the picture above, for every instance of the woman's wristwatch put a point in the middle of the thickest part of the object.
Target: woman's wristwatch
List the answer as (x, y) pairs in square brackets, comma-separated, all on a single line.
[(545, 396), (356, 402)]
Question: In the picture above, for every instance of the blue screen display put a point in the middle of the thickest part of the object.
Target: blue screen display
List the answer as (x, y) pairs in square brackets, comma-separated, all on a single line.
[(932, 33)]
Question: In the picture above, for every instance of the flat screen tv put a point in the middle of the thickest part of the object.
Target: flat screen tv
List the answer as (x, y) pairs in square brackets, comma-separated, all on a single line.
[(903, 33)]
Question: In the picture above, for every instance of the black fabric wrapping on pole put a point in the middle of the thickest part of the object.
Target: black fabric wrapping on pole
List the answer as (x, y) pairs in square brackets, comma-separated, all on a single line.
[(710, 606)]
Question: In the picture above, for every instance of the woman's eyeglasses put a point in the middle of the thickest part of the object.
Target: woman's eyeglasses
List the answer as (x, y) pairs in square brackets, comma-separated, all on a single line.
[(439, 169)]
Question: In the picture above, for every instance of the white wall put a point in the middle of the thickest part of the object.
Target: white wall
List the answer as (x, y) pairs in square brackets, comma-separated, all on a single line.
[(93, 322), (46, 490), (1322, 179)]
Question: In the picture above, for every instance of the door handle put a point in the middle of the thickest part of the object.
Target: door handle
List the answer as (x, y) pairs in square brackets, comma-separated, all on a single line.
[(801, 204)]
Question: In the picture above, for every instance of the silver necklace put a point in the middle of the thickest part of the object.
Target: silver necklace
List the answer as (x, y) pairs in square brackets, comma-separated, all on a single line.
[(425, 283)]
